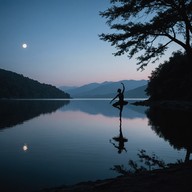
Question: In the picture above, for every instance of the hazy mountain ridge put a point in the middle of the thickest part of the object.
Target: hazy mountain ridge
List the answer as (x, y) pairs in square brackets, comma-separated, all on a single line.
[(133, 88), (13, 85), (138, 92)]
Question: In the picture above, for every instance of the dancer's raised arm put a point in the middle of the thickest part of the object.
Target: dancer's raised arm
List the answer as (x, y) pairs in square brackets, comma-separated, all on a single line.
[(123, 88)]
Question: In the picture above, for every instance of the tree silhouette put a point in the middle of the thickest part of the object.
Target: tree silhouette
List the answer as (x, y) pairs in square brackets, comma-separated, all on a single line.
[(139, 27), (172, 80)]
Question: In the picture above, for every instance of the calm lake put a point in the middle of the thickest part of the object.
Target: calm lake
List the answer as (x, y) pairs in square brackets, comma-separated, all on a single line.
[(51, 143)]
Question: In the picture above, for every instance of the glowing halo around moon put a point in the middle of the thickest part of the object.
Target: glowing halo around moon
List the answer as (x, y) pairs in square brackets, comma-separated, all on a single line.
[(24, 45)]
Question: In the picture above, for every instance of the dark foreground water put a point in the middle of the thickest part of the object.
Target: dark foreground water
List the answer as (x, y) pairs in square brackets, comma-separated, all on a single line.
[(51, 143)]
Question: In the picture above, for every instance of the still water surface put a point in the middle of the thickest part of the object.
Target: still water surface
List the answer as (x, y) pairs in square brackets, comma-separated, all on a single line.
[(51, 143)]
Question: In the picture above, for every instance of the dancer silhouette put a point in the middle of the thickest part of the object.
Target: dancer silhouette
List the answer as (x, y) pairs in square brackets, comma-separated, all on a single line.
[(119, 104)]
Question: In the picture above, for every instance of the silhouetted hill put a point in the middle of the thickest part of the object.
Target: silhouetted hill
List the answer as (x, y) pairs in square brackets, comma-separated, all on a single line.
[(13, 85), (138, 92), (109, 89), (65, 88), (81, 90)]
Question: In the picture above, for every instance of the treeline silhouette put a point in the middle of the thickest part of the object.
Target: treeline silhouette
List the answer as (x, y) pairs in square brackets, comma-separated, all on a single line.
[(13, 85), (172, 80)]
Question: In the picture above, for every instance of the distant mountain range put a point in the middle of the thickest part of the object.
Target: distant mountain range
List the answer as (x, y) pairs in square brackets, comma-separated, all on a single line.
[(133, 89), (13, 85)]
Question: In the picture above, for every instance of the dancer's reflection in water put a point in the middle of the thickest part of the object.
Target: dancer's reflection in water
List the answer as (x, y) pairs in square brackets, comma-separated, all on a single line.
[(119, 105)]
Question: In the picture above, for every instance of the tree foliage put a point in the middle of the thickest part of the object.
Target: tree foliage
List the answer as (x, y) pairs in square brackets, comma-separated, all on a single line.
[(148, 27), (172, 80)]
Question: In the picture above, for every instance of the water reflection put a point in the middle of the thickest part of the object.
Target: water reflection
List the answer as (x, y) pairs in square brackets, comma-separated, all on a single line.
[(13, 112), (120, 139), (62, 148), (102, 107), (25, 147), (173, 126)]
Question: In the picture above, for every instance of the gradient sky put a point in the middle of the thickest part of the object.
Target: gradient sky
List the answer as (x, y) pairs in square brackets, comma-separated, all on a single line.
[(63, 43)]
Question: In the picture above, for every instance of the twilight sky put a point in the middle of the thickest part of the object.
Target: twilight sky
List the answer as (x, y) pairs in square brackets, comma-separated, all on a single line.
[(63, 43)]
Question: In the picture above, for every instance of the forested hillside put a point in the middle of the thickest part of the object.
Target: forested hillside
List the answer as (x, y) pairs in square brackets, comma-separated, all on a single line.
[(13, 85)]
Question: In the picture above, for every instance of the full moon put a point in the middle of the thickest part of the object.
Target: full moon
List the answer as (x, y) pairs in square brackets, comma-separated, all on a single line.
[(24, 45)]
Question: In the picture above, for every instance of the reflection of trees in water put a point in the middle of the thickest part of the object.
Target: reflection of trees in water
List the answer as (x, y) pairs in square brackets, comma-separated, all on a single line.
[(174, 126), (171, 125), (13, 112), (120, 139), (146, 163)]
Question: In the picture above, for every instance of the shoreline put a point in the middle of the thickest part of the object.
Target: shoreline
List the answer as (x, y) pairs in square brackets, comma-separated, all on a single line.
[(176, 178), (180, 105)]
